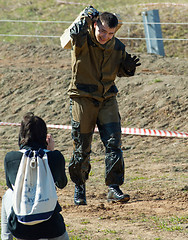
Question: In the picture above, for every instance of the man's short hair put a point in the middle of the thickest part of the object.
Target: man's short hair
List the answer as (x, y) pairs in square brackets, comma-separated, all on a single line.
[(109, 18)]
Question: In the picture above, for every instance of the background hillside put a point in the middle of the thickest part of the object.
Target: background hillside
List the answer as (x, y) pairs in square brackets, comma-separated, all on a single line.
[(172, 13), (34, 76)]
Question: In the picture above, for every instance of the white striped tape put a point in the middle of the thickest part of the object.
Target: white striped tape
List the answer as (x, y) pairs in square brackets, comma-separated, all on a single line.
[(131, 131)]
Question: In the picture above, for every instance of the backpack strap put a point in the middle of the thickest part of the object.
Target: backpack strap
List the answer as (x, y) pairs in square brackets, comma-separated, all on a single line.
[(30, 153), (33, 154)]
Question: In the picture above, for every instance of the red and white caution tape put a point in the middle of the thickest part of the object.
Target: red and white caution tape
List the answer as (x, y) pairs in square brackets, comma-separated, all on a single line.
[(9, 124), (131, 131), (150, 132)]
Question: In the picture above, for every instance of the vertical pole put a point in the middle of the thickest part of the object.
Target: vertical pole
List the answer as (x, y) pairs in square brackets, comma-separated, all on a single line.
[(153, 32), (147, 32)]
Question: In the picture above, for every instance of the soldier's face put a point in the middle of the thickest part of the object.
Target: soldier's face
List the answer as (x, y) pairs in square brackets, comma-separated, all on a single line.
[(102, 32)]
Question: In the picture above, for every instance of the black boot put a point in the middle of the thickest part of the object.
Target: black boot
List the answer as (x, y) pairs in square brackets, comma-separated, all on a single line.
[(116, 195), (80, 195)]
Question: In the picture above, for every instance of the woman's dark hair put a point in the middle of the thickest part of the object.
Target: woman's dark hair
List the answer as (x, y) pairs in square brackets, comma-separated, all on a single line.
[(109, 18), (33, 130)]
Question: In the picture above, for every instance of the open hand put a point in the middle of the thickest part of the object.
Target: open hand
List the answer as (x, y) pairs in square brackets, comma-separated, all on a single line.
[(131, 63)]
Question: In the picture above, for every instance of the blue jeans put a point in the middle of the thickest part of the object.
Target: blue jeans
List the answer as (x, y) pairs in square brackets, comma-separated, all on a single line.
[(5, 212)]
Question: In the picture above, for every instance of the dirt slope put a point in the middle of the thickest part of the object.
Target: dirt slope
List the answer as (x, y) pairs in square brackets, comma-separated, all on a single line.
[(36, 78)]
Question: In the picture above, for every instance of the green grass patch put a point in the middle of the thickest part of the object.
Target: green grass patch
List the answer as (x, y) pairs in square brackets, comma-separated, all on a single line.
[(107, 231), (75, 238), (85, 222), (157, 80), (132, 179), (171, 224)]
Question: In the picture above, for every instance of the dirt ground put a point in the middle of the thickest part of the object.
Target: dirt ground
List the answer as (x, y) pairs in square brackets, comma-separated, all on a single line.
[(36, 78)]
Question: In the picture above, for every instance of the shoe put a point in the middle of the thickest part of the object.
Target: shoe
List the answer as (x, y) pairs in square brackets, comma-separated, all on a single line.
[(116, 195), (80, 195)]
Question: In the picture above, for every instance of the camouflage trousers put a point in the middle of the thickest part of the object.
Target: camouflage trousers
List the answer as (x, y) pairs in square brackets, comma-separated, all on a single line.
[(86, 113)]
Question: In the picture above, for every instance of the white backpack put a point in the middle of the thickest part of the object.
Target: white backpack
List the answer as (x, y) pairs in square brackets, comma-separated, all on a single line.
[(34, 195)]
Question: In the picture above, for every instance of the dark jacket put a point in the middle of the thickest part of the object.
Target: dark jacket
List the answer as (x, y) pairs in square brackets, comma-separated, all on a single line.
[(53, 227), (95, 66)]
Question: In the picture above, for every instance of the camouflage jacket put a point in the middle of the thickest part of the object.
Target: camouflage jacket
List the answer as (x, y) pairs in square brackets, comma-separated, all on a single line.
[(94, 66)]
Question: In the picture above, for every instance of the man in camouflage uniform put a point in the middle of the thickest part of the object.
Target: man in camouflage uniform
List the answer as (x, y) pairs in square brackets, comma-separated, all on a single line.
[(97, 58)]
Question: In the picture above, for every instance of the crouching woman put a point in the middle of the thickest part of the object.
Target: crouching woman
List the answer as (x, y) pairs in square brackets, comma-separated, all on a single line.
[(33, 136)]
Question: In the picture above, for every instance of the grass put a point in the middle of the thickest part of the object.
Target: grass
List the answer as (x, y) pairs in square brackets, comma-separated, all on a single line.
[(85, 222), (109, 231), (171, 224), (157, 80), (129, 12), (132, 179), (75, 238)]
